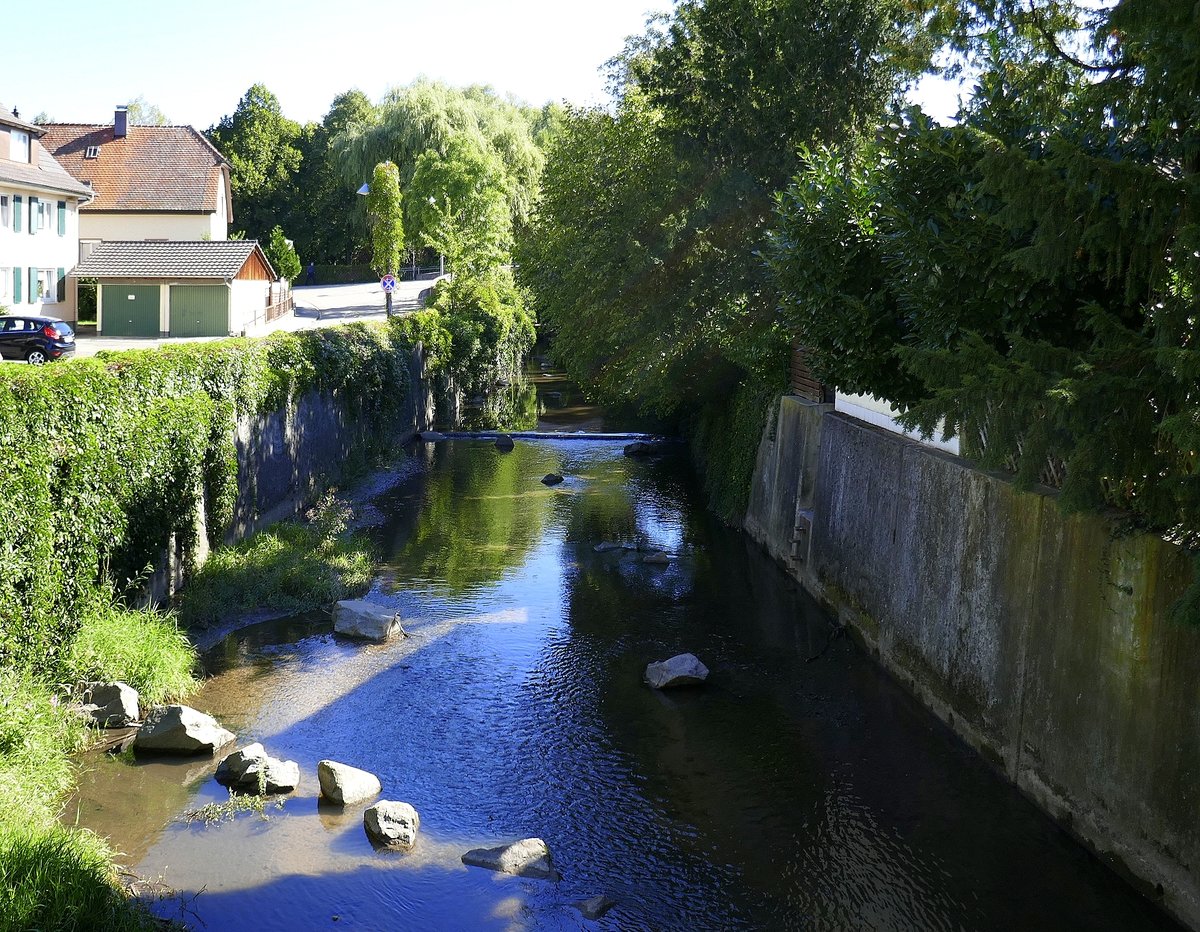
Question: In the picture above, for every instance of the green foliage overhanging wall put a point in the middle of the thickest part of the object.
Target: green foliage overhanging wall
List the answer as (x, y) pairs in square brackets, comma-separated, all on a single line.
[(106, 458)]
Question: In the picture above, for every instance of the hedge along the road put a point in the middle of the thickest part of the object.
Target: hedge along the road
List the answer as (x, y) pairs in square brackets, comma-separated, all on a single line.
[(104, 458)]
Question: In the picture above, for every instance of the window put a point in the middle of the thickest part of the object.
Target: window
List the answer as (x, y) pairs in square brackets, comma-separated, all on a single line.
[(47, 286), (3, 286), (4, 211), (18, 145), (91, 152)]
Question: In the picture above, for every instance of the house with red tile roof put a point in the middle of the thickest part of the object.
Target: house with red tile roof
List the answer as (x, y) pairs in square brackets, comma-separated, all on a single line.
[(149, 182), (39, 222)]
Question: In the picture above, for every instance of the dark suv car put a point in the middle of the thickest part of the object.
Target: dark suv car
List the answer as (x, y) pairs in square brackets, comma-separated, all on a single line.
[(37, 340)]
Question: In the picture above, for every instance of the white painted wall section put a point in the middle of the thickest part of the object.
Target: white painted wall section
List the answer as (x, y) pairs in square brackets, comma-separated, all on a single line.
[(881, 413)]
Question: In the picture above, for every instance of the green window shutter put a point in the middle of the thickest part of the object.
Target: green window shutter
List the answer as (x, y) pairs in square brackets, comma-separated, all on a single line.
[(33, 295), (33, 205), (17, 279), (62, 222), (62, 280), (17, 214)]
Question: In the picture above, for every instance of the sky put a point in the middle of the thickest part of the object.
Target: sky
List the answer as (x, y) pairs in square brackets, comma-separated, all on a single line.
[(194, 61)]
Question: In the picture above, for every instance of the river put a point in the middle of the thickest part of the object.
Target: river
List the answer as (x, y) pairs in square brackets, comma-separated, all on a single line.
[(800, 788)]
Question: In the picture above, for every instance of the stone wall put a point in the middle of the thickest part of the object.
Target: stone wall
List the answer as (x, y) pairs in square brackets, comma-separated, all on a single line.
[(1040, 637), (287, 458)]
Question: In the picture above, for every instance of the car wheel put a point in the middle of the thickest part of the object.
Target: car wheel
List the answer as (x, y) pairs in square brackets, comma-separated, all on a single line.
[(36, 357)]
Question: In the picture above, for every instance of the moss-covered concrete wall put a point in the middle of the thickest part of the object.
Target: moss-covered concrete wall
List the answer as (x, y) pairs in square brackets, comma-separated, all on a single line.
[(1041, 637)]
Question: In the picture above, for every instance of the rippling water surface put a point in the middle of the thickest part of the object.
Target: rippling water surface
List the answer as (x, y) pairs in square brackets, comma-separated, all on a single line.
[(800, 788)]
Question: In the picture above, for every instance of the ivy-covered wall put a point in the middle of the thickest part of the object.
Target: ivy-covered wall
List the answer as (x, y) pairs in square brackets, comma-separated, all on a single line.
[(108, 462)]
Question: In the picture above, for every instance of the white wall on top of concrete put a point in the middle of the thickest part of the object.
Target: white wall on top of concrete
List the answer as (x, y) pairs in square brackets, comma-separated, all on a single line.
[(139, 226), (881, 413)]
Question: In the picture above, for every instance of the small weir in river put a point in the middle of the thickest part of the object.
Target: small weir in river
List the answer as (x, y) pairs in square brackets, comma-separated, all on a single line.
[(800, 788)]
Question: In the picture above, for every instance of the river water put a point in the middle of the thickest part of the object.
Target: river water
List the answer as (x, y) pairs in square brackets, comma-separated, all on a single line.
[(800, 788)]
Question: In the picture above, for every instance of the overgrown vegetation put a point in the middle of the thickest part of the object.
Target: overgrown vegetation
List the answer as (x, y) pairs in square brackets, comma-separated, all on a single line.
[(289, 567), (643, 256)]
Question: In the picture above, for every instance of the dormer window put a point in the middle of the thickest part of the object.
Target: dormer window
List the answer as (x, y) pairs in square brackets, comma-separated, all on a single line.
[(18, 145), (91, 152)]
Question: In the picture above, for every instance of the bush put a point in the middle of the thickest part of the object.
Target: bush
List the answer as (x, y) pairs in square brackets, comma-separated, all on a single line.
[(108, 457), (490, 328), (53, 878), (36, 734), (142, 648), (290, 567)]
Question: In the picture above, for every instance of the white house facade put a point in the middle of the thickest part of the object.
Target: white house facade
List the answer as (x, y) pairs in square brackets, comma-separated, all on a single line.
[(39, 222)]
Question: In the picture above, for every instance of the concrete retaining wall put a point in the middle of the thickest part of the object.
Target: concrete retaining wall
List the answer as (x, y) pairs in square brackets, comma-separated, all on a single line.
[(1040, 637)]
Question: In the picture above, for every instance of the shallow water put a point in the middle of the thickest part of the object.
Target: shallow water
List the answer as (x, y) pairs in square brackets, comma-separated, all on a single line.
[(801, 788)]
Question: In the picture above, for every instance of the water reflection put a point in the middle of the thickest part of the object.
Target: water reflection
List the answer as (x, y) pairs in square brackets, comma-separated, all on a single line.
[(790, 792)]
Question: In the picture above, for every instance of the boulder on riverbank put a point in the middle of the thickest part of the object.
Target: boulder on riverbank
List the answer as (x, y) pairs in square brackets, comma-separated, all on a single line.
[(595, 907), (110, 705), (504, 443), (344, 785), (391, 824), (657, 558), (606, 546), (250, 768), (644, 448), (431, 436), (179, 729), (529, 857), (358, 618), (551, 478), (681, 670)]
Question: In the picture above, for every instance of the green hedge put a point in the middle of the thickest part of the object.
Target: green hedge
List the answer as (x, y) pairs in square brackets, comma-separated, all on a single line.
[(106, 457)]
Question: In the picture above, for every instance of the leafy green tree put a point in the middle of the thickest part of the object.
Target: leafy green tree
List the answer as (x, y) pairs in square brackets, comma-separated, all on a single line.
[(327, 217), (282, 255), (387, 221), (459, 208), (141, 112), (261, 146)]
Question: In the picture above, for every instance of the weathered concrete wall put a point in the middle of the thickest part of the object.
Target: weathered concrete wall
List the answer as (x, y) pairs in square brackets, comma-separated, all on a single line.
[(1040, 637), (287, 458)]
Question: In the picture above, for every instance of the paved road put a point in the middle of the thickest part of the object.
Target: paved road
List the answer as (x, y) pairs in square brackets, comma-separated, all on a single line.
[(316, 306)]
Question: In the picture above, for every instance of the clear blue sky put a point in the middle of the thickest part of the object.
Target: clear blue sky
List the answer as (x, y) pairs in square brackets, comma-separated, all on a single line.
[(75, 60)]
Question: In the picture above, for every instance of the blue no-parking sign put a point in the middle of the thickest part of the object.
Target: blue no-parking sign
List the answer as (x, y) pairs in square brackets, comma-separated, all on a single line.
[(388, 283)]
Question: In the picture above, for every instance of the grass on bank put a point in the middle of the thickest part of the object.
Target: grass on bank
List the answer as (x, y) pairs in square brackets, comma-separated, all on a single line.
[(290, 567), (53, 877)]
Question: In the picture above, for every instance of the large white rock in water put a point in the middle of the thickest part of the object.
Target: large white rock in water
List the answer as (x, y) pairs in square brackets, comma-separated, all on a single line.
[(392, 824), (111, 705), (344, 785), (179, 729), (250, 768), (529, 857), (682, 670), (358, 618)]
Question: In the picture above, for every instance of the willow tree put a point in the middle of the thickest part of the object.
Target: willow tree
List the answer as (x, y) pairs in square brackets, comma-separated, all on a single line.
[(428, 116)]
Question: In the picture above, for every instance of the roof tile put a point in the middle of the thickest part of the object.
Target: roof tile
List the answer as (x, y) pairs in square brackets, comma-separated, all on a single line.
[(158, 168), (221, 259)]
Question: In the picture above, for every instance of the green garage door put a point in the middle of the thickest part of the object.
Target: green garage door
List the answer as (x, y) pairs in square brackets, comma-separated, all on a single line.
[(199, 311), (129, 310)]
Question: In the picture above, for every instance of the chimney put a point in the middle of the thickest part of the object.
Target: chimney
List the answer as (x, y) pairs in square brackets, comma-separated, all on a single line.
[(16, 113), (121, 122)]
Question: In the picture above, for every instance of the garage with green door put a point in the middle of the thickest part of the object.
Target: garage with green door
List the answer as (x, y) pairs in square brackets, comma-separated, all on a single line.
[(178, 288), (199, 311), (129, 310)]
